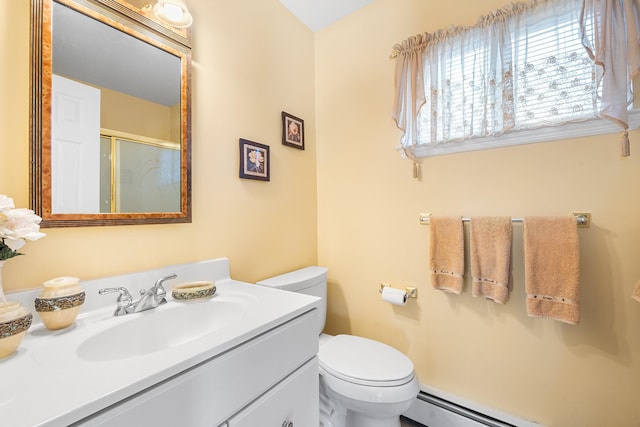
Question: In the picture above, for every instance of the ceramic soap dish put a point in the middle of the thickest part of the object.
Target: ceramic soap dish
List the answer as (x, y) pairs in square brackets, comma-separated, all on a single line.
[(192, 291)]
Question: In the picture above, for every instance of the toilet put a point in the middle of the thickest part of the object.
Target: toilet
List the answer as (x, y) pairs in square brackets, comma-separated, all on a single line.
[(363, 383)]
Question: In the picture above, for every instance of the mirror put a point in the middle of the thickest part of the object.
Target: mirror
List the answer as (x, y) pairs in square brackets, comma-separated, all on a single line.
[(110, 131)]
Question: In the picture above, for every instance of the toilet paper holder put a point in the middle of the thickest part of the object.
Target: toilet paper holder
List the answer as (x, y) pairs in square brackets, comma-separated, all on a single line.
[(412, 292)]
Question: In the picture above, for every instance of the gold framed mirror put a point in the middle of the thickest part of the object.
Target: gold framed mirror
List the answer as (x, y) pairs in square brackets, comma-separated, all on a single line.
[(110, 115)]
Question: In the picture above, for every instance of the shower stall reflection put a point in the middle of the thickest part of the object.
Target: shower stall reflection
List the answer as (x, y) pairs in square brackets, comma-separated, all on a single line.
[(139, 176)]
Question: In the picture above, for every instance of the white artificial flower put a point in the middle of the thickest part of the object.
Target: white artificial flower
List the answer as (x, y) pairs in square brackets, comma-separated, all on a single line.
[(14, 245), (20, 224), (6, 203), (16, 227)]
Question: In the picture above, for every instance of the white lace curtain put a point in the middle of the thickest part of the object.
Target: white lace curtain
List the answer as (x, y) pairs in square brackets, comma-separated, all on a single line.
[(510, 72), (615, 46)]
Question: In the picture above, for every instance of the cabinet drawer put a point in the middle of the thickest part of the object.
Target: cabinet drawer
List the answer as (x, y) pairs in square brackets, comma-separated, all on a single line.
[(293, 400)]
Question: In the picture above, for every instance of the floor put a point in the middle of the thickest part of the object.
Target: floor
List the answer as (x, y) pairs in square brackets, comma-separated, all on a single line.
[(406, 422)]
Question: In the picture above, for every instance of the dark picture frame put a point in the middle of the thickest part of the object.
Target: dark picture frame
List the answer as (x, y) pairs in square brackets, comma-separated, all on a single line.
[(292, 131), (255, 160)]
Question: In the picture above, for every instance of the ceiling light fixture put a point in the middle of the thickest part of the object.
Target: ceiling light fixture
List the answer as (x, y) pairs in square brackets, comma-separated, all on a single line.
[(173, 12)]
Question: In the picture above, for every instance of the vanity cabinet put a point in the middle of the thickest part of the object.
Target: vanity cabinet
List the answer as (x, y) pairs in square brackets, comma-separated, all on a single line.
[(287, 404), (264, 381)]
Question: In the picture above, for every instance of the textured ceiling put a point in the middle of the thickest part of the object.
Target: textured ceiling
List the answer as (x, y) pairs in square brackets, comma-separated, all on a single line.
[(86, 50), (317, 14)]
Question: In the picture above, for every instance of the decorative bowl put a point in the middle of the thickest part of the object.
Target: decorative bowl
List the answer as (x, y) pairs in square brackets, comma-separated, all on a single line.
[(193, 291), (15, 320), (59, 302)]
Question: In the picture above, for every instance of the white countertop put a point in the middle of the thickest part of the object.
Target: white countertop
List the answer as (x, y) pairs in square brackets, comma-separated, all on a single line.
[(46, 383)]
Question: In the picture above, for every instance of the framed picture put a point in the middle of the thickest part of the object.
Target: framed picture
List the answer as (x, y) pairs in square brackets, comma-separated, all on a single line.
[(254, 160), (292, 131)]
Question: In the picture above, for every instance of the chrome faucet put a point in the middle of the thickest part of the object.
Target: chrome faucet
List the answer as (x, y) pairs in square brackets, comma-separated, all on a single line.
[(154, 296), (150, 298), (124, 303)]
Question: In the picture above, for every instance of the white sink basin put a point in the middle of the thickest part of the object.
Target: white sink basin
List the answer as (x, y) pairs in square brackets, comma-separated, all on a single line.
[(168, 326), (107, 338)]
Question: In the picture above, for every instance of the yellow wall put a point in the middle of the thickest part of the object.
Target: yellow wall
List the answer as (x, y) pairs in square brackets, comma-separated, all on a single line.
[(126, 113), (251, 60), (368, 232)]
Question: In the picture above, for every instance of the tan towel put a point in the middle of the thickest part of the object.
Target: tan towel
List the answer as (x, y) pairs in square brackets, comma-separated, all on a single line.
[(552, 268), (636, 292), (446, 253), (490, 241)]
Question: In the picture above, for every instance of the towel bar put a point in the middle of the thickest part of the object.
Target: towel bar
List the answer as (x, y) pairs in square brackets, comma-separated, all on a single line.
[(582, 218)]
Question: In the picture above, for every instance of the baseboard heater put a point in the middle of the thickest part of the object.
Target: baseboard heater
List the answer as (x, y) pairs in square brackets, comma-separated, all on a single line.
[(434, 410)]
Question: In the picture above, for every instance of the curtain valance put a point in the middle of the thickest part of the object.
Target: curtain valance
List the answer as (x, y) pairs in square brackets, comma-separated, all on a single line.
[(464, 82)]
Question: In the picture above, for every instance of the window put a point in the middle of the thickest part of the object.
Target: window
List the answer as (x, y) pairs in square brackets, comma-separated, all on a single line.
[(521, 75)]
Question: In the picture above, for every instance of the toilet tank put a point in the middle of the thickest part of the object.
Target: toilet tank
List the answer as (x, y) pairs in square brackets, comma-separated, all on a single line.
[(309, 281)]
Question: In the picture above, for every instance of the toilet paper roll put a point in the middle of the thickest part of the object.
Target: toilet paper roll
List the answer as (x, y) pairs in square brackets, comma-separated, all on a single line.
[(394, 296)]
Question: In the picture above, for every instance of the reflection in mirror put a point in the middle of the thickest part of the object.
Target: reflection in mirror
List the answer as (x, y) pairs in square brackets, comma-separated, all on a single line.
[(122, 83), (117, 151), (138, 175)]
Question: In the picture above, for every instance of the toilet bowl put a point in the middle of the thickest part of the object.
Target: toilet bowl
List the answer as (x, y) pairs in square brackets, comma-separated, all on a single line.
[(363, 382), (367, 383)]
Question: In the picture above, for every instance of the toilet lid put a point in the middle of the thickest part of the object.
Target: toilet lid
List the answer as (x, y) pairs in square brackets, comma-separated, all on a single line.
[(364, 361)]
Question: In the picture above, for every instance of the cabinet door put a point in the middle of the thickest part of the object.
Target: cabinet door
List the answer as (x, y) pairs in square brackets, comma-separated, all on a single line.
[(291, 403)]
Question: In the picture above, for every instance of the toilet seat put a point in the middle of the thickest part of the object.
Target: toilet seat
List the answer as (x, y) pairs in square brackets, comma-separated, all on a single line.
[(366, 362)]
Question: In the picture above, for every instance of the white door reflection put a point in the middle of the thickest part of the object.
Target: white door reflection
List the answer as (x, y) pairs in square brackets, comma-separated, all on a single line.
[(75, 146)]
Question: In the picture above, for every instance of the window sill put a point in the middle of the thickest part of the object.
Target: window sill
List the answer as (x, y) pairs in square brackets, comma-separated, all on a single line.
[(566, 131)]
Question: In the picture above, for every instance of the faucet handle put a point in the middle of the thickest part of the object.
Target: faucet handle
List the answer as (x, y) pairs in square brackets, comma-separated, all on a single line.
[(160, 281), (124, 301), (160, 291)]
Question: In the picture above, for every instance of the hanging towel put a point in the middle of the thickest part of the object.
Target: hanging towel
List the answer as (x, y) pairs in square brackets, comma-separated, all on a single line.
[(490, 241), (552, 268), (446, 253), (636, 292)]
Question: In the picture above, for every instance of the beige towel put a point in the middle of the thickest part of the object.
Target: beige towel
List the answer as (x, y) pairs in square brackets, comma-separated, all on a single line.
[(446, 253), (490, 241), (552, 268), (636, 292)]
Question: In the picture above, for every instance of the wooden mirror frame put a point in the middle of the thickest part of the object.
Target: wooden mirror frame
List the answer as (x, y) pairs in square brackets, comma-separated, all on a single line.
[(129, 20)]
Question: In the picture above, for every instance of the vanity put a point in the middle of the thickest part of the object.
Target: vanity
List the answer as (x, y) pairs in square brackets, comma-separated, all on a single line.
[(245, 357)]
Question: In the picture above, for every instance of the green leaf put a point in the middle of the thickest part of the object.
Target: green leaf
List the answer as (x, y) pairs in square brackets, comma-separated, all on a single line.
[(6, 252)]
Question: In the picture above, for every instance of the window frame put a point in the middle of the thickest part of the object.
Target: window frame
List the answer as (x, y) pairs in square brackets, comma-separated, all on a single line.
[(571, 130)]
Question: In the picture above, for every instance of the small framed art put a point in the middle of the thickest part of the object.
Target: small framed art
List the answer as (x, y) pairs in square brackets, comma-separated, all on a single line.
[(292, 131), (254, 160)]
